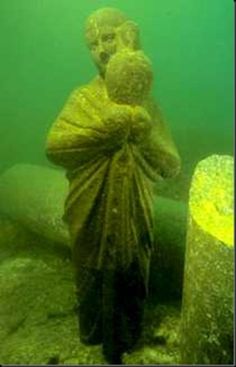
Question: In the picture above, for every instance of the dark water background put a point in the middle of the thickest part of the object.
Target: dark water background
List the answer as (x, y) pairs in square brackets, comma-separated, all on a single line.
[(43, 56)]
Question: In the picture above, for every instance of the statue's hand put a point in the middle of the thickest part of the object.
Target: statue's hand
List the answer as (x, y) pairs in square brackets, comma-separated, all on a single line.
[(116, 120), (140, 125)]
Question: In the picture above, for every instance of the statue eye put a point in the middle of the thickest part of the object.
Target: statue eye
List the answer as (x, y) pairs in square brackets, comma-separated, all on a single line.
[(108, 37)]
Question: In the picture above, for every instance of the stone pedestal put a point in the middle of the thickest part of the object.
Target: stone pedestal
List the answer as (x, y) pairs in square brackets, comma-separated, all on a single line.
[(207, 310)]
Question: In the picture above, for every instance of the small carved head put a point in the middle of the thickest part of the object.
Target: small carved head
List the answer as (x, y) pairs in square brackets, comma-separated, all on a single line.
[(108, 31), (129, 77)]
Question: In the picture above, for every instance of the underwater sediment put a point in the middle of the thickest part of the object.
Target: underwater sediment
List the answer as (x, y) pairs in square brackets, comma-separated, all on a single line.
[(207, 310), (35, 255)]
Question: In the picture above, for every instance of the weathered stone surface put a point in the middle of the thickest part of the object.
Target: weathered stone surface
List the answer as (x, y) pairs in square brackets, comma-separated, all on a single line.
[(207, 314), (128, 77), (33, 196)]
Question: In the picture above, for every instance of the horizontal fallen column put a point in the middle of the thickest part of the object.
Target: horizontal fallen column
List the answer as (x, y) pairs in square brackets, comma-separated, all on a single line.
[(207, 309), (33, 196)]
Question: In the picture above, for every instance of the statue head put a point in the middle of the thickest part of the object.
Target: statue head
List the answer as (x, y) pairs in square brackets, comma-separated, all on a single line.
[(108, 31), (129, 77)]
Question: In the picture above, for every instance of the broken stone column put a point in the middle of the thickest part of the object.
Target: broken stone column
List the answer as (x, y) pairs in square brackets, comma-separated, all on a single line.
[(206, 332), (34, 197)]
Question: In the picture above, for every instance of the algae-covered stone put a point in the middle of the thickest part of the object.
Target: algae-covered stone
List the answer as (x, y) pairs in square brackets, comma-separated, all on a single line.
[(129, 77), (207, 314), (34, 196)]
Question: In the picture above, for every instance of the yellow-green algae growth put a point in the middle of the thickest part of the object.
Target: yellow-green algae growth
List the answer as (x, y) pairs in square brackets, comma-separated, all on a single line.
[(211, 198), (207, 308)]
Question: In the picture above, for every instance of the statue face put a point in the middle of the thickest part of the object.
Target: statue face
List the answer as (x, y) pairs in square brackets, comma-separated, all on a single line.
[(102, 42), (107, 31)]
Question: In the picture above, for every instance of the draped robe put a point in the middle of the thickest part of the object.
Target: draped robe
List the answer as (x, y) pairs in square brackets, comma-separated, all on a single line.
[(109, 205)]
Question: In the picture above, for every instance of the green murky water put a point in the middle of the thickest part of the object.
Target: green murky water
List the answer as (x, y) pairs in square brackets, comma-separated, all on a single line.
[(43, 57)]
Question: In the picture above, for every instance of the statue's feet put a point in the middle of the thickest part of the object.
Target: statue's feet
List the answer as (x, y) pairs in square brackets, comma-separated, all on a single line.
[(90, 328), (113, 357), (93, 339)]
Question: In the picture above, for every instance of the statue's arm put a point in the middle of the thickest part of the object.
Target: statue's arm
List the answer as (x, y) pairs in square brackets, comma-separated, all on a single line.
[(67, 142), (158, 148), (80, 134)]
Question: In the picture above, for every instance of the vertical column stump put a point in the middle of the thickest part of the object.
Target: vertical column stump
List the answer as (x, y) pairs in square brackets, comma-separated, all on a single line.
[(206, 332)]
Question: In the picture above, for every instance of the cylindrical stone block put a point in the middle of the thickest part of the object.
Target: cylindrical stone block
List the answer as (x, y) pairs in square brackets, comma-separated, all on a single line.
[(206, 334), (34, 197)]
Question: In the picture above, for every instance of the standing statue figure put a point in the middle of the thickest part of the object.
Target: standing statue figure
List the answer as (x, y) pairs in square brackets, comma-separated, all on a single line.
[(112, 140)]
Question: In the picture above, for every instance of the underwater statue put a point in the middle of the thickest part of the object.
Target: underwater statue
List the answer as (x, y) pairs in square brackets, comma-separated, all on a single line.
[(112, 140)]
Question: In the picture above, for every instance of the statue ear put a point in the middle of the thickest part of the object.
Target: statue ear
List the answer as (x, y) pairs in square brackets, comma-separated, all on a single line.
[(128, 34)]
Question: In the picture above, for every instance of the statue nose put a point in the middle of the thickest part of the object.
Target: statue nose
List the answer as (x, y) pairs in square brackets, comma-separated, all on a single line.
[(104, 57)]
